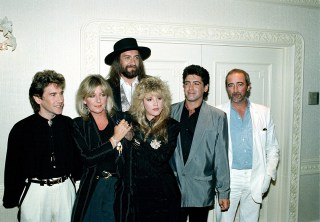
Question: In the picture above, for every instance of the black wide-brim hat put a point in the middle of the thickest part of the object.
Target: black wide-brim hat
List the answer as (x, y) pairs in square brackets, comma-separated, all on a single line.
[(127, 44)]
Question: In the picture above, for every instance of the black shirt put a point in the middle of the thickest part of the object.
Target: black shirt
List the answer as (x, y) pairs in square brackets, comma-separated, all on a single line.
[(38, 150), (108, 163), (188, 126)]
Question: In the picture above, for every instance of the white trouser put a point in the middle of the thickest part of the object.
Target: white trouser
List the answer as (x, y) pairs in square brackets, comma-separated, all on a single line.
[(48, 203), (240, 193)]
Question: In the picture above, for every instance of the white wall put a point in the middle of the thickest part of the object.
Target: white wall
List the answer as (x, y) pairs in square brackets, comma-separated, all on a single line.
[(48, 37)]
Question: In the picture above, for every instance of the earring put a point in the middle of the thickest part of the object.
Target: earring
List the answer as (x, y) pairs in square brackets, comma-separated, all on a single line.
[(86, 109)]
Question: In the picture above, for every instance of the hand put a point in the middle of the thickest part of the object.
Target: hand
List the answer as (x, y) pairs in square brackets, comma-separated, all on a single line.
[(129, 135), (121, 130), (224, 204)]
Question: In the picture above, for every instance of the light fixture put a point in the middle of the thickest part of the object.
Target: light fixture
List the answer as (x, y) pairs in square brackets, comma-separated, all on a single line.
[(6, 29)]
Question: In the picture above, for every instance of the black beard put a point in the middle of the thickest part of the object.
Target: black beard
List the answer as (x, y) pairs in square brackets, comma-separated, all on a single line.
[(132, 74)]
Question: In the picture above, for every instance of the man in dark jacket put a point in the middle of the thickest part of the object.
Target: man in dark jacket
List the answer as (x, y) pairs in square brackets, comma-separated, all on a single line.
[(126, 70), (42, 160)]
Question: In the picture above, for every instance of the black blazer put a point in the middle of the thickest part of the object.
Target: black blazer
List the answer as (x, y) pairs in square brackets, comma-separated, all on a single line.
[(116, 94), (92, 151)]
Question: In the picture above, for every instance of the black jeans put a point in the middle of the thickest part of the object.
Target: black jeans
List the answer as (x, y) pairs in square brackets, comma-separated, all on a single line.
[(195, 214)]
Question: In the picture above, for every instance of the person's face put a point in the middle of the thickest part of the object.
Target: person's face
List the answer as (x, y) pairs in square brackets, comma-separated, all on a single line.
[(194, 88), (96, 102), (129, 62), (237, 87), (52, 101), (153, 103)]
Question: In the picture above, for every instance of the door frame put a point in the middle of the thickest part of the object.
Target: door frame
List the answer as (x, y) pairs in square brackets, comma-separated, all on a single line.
[(292, 43)]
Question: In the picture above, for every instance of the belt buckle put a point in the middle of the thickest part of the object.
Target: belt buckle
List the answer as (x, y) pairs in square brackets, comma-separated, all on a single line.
[(49, 182), (60, 180), (106, 174)]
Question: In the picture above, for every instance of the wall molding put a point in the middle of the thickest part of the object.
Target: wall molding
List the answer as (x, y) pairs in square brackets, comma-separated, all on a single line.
[(303, 3), (310, 166), (93, 32)]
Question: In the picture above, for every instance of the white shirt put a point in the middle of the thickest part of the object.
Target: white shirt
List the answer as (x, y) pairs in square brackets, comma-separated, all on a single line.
[(128, 90)]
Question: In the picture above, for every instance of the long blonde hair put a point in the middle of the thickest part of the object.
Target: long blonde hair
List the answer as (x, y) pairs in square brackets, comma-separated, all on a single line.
[(147, 86)]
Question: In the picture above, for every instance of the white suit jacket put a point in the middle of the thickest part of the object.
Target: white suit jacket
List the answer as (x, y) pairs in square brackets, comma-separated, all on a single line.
[(265, 150)]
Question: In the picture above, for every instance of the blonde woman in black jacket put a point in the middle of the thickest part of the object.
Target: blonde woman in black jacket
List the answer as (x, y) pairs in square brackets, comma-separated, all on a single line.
[(97, 132)]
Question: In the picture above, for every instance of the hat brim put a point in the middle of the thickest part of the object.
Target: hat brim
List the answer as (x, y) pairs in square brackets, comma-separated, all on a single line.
[(144, 52)]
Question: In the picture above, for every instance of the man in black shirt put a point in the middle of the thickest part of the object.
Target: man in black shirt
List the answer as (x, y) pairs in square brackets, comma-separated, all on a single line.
[(200, 161), (42, 160)]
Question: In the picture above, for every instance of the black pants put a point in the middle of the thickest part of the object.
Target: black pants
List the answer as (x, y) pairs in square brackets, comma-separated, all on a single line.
[(195, 214)]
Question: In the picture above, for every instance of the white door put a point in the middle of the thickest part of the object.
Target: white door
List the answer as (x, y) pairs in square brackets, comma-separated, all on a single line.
[(264, 65), (168, 60)]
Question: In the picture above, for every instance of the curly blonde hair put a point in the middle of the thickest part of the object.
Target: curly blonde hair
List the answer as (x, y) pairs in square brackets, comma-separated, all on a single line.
[(154, 86)]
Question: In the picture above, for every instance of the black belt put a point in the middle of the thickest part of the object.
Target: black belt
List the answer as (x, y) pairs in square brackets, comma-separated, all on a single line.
[(49, 182), (106, 174)]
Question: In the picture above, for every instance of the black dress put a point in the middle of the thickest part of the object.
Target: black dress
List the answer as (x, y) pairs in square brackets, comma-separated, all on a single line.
[(147, 190), (97, 155)]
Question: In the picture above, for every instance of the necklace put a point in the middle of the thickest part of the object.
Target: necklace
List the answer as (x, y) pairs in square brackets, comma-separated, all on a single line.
[(191, 111)]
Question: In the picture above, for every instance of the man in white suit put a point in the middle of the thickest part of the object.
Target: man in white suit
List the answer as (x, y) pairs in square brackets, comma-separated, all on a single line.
[(200, 161), (253, 149)]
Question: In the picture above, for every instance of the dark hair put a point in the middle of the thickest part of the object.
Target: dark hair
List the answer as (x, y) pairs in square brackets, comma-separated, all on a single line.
[(198, 71), (246, 76), (40, 81), (114, 73)]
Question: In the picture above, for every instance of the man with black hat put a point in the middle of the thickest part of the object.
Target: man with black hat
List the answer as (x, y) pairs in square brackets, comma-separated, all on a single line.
[(126, 70)]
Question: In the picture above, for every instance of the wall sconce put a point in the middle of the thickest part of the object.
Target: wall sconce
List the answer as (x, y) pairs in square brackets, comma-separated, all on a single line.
[(6, 28)]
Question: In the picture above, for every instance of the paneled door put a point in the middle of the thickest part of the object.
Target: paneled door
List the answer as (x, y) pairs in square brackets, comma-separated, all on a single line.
[(266, 67)]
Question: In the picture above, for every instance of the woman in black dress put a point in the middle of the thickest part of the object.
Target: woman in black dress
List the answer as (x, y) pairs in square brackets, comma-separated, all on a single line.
[(147, 190), (97, 132)]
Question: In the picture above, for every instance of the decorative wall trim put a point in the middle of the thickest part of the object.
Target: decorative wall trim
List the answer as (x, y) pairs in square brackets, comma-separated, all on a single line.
[(6, 28), (93, 32), (311, 166), (304, 3)]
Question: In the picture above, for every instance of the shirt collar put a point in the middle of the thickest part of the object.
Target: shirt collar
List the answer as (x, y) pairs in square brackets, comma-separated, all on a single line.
[(248, 104), (122, 82)]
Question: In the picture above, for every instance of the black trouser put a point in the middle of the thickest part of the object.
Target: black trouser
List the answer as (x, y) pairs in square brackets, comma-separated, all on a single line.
[(195, 214)]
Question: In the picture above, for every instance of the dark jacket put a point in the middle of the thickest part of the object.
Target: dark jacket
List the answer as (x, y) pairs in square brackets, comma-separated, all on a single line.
[(147, 190), (93, 151), (116, 94)]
